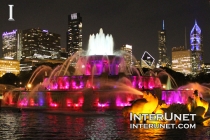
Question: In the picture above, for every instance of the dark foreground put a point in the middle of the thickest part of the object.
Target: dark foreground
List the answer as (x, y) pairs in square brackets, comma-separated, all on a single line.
[(108, 125)]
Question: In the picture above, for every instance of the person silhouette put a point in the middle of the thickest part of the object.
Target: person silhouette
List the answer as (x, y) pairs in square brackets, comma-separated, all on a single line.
[(195, 94)]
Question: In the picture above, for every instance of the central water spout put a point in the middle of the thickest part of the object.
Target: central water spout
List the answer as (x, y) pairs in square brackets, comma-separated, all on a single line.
[(100, 44)]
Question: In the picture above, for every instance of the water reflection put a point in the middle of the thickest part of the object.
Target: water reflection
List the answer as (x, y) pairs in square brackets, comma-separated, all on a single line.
[(40, 125), (102, 128)]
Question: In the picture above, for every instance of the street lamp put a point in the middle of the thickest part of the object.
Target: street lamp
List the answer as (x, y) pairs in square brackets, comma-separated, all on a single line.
[(29, 86), (164, 86)]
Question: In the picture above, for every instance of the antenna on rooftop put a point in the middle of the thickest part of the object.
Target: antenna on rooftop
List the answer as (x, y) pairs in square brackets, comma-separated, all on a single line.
[(163, 24)]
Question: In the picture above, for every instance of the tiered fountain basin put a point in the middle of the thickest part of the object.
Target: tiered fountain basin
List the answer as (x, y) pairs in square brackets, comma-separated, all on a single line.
[(89, 92), (98, 82), (80, 92), (89, 98)]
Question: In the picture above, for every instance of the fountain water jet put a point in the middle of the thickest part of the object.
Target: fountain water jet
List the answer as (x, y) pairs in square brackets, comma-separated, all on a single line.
[(40, 69), (100, 44)]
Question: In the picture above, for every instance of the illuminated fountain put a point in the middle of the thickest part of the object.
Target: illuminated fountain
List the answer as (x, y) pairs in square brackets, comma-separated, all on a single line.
[(98, 80)]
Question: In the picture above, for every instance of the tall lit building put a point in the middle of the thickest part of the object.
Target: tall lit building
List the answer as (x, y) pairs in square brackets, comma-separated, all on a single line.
[(196, 48), (9, 66), (128, 54), (74, 33), (181, 60), (163, 59), (12, 43), (40, 44)]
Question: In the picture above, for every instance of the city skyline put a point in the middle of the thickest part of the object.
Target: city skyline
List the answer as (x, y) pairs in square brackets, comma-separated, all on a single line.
[(130, 22)]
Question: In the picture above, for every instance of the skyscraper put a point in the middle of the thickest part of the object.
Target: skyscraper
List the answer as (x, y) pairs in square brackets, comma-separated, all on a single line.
[(12, 44), (41, 44), (181, 60), (128, 54), (74, 33), (163, 59), (196, 48)]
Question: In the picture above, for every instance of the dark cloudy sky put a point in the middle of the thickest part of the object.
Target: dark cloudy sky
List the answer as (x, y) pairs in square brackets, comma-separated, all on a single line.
[(134, 22)]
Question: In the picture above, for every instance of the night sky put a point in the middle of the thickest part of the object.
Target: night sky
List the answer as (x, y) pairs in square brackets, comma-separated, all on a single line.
[(134, 22)]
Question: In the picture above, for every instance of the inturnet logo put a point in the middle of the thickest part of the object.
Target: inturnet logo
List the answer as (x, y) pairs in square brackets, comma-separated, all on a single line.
[(154, 118)]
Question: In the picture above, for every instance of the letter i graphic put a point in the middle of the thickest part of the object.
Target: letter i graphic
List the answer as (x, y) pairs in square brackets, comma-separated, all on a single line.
[(11, 13), (131, 126), (131, 116)]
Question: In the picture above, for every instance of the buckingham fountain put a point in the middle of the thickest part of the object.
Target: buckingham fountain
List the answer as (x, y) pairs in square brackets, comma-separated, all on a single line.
[(102, 80)]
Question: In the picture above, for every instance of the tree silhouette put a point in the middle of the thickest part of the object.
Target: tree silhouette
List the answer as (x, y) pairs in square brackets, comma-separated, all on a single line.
[(9, 78)]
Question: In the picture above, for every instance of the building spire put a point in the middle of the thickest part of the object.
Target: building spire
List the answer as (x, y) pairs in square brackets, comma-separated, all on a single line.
[(163, 24), (195, 22)]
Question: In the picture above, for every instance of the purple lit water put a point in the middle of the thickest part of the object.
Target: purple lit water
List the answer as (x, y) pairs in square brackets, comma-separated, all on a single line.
[(108, 125)]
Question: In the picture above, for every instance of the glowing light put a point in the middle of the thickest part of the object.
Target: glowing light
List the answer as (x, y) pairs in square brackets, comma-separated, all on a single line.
[(164, 86), (9, 33), (123, 104), (7, 57), (31, 102), (41, 102), (128, 46), (69, 102), (74, 16), (196, 28), (29, 86), (103, 105), (53, 104), (77, 105), (23, 102), (163, 25)]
